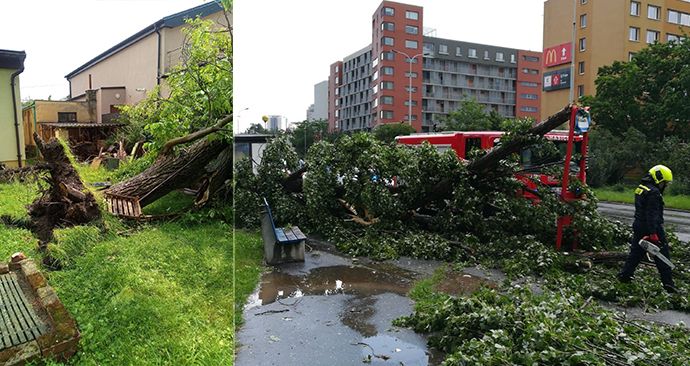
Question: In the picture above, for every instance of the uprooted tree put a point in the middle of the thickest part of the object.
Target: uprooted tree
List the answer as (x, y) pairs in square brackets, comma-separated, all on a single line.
[(190, 131)]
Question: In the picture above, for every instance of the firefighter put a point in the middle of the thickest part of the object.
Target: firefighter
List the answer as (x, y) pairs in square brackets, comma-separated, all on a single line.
[(648, 225)]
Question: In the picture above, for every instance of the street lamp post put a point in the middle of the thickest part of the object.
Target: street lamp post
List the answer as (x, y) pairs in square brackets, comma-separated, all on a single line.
[(409, 99), (238, 118)]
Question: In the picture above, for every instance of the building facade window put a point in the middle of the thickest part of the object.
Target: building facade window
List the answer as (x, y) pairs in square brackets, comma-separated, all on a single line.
[(388, 41), (388, 26), (583, 2), (386, 99), (499, 57), (512, 58), (375, 75), (530, 71), (529, 109), (634, 34), (652, 36), (387, 85), (653, 12), (581, 67), (458, 51), (529, 84), (486, 55), (472, 53), (580, 90), (375, 89), (530, 58), (529, 96), (410, 44), (414, 103), (674, 38), (413, 15), (414, 117), (631, 55), (375, 62), (583, 21), (407, 89), (388, 55), (386, 114), (583, 44), (443, 49), (387, 70), (635, 8), (411, 29), (388, 11), (67, 117), (677, 17), (411, 74)]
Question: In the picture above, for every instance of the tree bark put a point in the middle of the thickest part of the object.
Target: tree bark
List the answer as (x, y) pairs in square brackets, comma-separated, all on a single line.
[(171, 172)]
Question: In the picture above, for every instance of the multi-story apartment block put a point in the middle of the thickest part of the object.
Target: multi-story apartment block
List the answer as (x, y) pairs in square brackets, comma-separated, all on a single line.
[(418, 79), (605, 31)]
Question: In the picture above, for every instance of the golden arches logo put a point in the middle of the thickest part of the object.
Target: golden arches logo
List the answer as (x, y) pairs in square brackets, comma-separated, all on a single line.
[(551, 56)]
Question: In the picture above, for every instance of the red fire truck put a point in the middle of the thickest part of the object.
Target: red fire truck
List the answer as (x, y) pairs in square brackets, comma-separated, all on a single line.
[(570, 142)]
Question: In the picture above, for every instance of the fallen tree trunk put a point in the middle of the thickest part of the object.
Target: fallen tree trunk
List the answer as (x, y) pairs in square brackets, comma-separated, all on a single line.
[(171, 172), (65, 202)]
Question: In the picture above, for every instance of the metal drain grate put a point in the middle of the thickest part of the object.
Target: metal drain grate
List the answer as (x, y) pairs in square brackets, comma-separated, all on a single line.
[(18, 321)]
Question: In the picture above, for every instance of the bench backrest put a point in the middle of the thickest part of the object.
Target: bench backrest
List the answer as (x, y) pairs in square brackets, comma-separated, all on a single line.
[(270, 215)]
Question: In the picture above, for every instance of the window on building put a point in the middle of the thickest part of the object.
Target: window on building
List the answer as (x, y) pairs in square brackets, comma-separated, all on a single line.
[(634, 34), (631, 55), (386, 114), (443, 49), (375, 62), (581, 67), (337, 91), (388, 85), (375, 103), (580, 90), (386, 99), (653, 12), (388, 41), (411, 29), (486, 55), (530, 71), (529, 96), (410, 44), (583, 21), (407, 89), (673, 17), (407, 118), (375, 75), (529, 84), (685, 19), (652, 36), (458, 51), (499, 57), (411, 74), (583, 44), (413, 15), (414, 103), (530, 58), (388, 11), (583, 2), (390, 55), (388, 26), (529, 109), (67, 116), (375, 89), (512, 58), (428, 48), (674, 38), (387, 70), (472, 52), (635, 8)]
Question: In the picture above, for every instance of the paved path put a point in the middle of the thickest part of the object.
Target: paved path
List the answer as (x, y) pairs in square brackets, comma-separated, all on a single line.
[(677, 220)]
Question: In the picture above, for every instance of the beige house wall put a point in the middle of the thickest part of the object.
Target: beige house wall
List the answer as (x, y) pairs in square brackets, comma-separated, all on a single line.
[(47, 111), (133, 68), (8, 137), (606, 34)]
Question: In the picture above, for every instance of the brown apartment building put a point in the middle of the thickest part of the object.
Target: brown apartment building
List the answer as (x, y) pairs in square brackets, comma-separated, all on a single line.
[(404, 75), (605, 31)]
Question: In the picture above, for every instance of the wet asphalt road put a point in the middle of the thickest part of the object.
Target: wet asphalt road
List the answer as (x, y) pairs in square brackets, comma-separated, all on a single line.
[(333, 311), (677, 220)]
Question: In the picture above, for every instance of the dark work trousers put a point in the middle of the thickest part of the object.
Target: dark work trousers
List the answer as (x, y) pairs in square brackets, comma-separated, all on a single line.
[(636, 254)]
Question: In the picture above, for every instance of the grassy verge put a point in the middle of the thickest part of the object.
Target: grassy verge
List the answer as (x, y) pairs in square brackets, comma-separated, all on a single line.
[(626, 195), (155, 294), (248, 264)]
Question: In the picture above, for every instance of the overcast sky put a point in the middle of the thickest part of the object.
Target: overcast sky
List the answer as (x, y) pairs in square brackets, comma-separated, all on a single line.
[(282, 48), (61, 35)]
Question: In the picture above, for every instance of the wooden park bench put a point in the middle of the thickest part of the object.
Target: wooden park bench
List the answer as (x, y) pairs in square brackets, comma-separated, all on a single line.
[(280, 244), (123, 206)]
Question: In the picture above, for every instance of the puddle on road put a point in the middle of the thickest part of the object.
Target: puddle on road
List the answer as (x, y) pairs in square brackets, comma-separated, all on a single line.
[(354, 280), (386, 350), (456, 283)]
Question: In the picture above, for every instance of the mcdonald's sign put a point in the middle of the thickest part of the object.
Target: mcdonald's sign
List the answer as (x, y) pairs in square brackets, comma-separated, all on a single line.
[(558, 55)]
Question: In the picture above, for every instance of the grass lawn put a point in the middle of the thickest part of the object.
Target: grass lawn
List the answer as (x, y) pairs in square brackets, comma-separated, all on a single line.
[(249, 264), (155, 294), (626, 195)]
